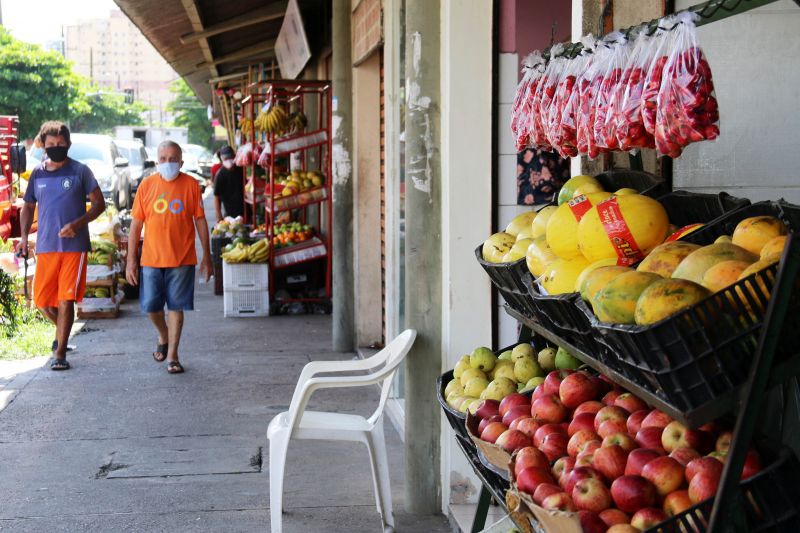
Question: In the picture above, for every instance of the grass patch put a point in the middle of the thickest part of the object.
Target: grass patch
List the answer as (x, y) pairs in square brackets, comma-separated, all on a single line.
[(32, 339)]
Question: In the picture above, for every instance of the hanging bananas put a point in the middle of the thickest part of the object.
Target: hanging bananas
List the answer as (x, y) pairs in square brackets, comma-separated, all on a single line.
[(297, 122), (275, 120), (246, 125)]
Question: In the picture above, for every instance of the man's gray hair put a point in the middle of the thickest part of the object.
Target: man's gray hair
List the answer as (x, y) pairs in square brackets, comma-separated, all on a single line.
[(170, 144)]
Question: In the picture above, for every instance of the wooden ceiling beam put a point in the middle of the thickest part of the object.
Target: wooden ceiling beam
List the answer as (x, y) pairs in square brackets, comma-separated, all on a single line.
[(261, 14), (242, 53), (193, 12)]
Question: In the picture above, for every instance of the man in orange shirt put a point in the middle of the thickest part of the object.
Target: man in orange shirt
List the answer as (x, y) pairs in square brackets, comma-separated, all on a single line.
[(169, 205)]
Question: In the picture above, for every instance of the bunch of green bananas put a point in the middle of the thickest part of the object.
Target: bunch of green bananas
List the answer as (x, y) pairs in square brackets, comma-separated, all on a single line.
[(297, 122), (237, 254), (273, 121), (98, 258), (258, 252), (97, 292)]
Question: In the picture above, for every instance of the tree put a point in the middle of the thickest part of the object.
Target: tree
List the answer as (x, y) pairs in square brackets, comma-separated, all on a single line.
[(106, 110), (191, 113)]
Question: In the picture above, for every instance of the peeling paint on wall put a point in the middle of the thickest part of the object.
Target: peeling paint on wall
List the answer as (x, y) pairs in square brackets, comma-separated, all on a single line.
[(421, 148), (342, 167)]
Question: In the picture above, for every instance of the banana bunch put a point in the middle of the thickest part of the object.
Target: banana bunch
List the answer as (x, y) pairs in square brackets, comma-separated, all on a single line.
[(275, 120), (103, 245), (98, 258), (97, 292), (297, 122), (246, 125), (237, 254), (258, 252)]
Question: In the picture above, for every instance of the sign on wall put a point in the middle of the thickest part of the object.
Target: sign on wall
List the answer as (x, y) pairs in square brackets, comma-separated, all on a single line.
[(291, 47)]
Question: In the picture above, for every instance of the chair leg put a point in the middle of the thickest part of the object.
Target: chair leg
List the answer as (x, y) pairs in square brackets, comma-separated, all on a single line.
[(278, 447), (376, 444)]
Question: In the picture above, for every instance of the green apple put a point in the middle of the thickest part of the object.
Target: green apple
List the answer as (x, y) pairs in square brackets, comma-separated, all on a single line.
[(475, 386), (461, 366), (521, 351), (483, 359), (565, 360), (505, 356), (499, 388), (453, 386), (525, 369), (505, 371), (469, 374), (547, 359)]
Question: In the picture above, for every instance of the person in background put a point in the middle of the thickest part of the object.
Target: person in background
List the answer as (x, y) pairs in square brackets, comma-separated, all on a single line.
[(228, 187), (540, 175), (60, 186), (169, 206), (215, 166)]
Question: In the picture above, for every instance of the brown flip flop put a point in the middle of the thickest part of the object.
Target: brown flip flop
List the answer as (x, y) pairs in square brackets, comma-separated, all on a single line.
[(161, 352), (174, 367)]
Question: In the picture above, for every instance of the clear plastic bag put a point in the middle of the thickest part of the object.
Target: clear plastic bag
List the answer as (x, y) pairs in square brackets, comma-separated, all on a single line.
[(545, 92), (631, 133), (562, 124), (533, 66), (687, 109), (603, 128), (660, 44), (244, 155), (588, 84)]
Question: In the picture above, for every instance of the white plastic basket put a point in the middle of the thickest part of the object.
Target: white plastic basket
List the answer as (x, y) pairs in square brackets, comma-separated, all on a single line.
[(245, 276), (247, 303)]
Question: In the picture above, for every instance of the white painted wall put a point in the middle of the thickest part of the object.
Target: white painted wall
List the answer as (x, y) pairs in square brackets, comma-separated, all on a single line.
[(755, 59), (466, 99)]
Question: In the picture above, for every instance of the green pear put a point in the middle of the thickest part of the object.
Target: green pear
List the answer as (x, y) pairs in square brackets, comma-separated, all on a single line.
[(474, 405), (466, 403), (526, 369), (534, 382), (469, 374), (456, 401), (547, 359), (521, 351), (453, 395), (505, 356), (483, 359), (461, 366), (500, 364), (505, 371), (565, 360), (475, 386), (453, 386), (499, 388), (520, 387)]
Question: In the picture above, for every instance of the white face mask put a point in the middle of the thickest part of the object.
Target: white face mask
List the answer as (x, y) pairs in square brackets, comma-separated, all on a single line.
[(169, 171), (228, 163)]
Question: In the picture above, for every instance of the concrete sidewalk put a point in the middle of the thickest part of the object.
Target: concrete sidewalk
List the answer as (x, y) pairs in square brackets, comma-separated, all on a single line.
[(117, 444)]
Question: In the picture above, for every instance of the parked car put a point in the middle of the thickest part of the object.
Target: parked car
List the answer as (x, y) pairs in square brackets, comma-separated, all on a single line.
[(152, 152), (141, 165), (109, 167), (196, 159)]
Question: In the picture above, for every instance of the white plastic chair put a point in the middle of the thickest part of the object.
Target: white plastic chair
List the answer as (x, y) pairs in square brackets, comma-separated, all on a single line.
[(297, 423)]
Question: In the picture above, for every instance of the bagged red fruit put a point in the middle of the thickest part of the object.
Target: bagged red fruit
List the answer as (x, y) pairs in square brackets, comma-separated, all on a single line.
[(687, 108), (543, 98), (630, 130), (532, 69), (562, 120), (604, 126), (660, 46), (588, 85)]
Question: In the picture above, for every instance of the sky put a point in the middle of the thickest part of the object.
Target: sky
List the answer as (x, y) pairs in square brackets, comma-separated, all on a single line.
[(40, 21)]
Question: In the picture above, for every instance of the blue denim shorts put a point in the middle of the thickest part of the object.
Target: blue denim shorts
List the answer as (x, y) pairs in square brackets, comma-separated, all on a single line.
[(171, 286)]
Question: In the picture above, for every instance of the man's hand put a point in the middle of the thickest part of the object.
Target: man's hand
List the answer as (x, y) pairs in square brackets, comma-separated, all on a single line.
[(206, 267), (132, 271), (22, 247), (68, 231)]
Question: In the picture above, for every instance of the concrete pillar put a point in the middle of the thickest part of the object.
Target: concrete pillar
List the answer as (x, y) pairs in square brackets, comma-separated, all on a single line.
[(342, 79), (423, 255)]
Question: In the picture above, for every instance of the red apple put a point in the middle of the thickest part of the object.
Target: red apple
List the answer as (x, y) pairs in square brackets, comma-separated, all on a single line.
[(563, 465), (656, 418), (629, 402), (491, 432), (579, 439), (703, 486), (610, 427), (538, 392), (708, 465), (634, 422), (684, 455), (610, 461), (581, 421), (622, 440), (711, 427), (650, 437), (528, 457), (752, 464), (614, 516), (518, 411), (589, 447), (665, 473), (554, 446), (552, 381), (591, 522), (677, 502), (560, 501), (610, 397), (576, 389), (514, 399), (486, 421), (632, 493), (549, 409), (487, 408), (637, 459), (724, 441), (623, 528), (578, 473), (591, 495), (719, 456), (545, 430), (588, 407), (512, 440), (544, 490), (529, 425), (609, 412), (601, 386), (676, 435), (585, 459), (648, 517), (531, 477)]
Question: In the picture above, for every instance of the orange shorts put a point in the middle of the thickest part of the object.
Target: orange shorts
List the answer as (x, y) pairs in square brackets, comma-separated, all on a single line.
[(60, 276)]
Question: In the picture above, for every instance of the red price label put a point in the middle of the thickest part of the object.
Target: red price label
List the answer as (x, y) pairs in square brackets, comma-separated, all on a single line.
[(628, 252), (579, 206)]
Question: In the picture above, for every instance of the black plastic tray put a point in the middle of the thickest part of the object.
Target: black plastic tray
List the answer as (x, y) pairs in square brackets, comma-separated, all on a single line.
[(646, 183), (686, 207), (512, 281)]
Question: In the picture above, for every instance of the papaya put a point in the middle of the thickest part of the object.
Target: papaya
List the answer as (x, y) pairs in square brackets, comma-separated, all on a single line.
[(559, 277), (598, 278), (616, 303), (519, 222), (666, 257), (589, 269), (682, 232), (723, 274), (539, 224), (562, 228), (757, 290), (773, 249), (646, 221), (666, 297), (696, 263), (539, 256), (497, 246), (568, 189), (754, 232)]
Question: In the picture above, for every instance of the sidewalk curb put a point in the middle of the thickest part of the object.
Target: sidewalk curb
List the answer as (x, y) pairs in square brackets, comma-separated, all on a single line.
[(12, 389)]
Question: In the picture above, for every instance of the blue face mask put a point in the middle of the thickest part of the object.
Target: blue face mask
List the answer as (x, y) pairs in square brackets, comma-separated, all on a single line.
[(169, 171)]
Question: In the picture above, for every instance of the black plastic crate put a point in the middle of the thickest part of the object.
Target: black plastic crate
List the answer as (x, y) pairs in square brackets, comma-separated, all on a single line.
[(562, 317), (685, 208), (644, 182), (512, 281)]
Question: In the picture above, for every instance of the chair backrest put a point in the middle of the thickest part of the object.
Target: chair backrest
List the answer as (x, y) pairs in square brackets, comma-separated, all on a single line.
[(398, 349)]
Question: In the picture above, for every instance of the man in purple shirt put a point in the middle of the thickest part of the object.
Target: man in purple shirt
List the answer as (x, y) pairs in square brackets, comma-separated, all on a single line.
[(60, 186)]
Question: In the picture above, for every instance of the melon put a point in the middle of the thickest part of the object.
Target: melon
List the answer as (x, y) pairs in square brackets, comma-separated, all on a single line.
[(519, 222), (646, 220), (568, 189), (757, 289), (598, 278), (682, 232), (666, 297), (587, 188), (754, 232), (723, 238), (518, 251), (626, 190), (562, 228), (666, 257), (616, 303), (525, 233), (696, 263), (723, 274), (539, 256), (773, 249), (497, 246), (559, 277), (539, 224), (591, 268)]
